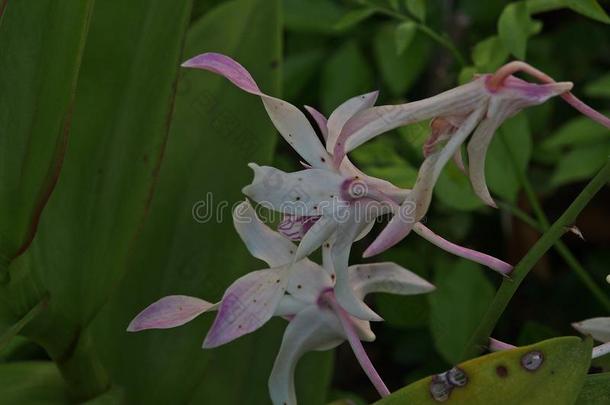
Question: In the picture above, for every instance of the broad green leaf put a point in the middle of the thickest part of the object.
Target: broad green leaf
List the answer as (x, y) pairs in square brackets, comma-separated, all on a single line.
[(580, 163), (380, 159), (467, 74), (512, 140), (599, 88), (514, 27), (399, 72), (460, 300), (42, 45), (489, 54), (32, 383), (353, 18), (404, 35), (299, 70), (346, 74), (7, 335), (502, 378), (312, 16), (216, 130), (595, 391), (453, 189), (417, 8), (580, 131), (589, 8)]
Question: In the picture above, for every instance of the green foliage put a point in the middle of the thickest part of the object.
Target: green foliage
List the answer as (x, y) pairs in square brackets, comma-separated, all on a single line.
[(558, 379), (456, 307), (595, 390), (514, 28)]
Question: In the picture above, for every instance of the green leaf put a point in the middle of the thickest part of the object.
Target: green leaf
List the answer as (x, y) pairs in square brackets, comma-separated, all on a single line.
[(299, 70), (42, 45), (599, 88), (461, 299), (467, 74), (580, 131), (312, 16), (417, 8), (580, 163), (453, 189), (514, 136), (217, 129), (589, 8), (353, 18), (345, 75), (501, 378), (399, 72), (514, 28), (489, 54), (32, 383), (595, 390), (7, 335), (404, 35)]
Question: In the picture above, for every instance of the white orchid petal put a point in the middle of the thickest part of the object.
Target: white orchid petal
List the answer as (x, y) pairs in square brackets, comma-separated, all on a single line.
[(386, 277), (290, 306), (417, 202), (374, 121), (320, 232), (340, 251), (169, 312), (308, 192), (289, 121), (320, 120), (348, 169), (308, 331), (599, 328), (307, 281), (262, 242), (344, 112), (247, 305)]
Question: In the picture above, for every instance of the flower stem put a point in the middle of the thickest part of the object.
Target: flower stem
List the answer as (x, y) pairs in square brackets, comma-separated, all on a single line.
[(548, 239), (356, 344), (542, 224)]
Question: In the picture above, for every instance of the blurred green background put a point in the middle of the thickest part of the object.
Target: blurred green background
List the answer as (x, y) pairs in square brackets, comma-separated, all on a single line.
[(106, 145)]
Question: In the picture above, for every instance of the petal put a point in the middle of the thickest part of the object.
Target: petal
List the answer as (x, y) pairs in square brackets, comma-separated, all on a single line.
[(289, 121), (477, 150), (477, 257), (599, 328), (308, 280), (308, 192), (308, 331), (340, 251), (348, 169), (417, 202), (319, 233), (294, 228), (386, 277), (247, 305), (262, 242), (344, 112), (374, 121), (320, 120), (169, 312)]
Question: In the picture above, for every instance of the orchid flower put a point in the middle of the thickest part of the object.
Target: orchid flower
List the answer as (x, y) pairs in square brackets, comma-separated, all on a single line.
[(323, 204), (478, 108), (599, 329), (303, 294)]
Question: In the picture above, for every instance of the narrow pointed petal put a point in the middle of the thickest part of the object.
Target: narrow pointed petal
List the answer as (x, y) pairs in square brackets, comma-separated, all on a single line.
[(319, 233), (371, 122), (340, 250), (601, 350), (247, 305), (344, 112), (477, 151), (417, 202), (396, 193), (289, 121), (169, 312), (598, 328), (262, 242), (386, 277), (309, 192), (486, 260), (320, 120), (306, 332), (459, 161)]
